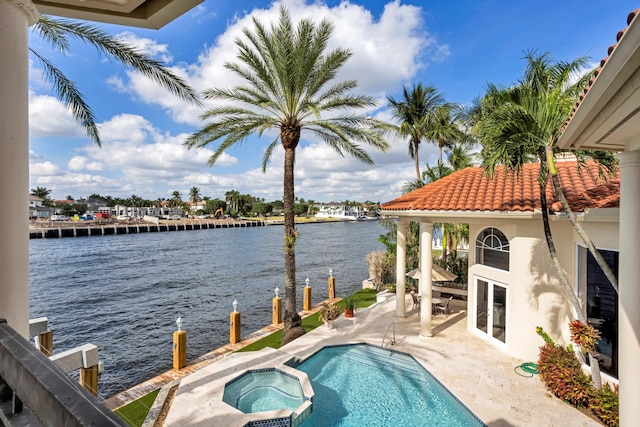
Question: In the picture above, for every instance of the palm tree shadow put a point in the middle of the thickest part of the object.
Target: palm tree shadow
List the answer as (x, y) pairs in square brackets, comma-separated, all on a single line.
[(546, 293)]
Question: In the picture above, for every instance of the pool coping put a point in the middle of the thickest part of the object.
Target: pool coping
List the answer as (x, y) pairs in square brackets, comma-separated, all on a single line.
[(203, 392)]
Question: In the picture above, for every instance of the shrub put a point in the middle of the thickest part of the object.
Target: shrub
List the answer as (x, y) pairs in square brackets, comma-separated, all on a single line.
[(604, 405), (562, 374)]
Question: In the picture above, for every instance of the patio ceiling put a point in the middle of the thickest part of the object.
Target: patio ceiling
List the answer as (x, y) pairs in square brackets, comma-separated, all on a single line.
[(608, 115), (135, 13)]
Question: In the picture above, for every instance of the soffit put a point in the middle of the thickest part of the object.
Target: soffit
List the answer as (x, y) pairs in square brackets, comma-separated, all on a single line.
[(607, 116), (136, 13)]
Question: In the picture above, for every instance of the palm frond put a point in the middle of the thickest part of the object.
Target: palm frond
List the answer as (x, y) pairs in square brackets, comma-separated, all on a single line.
[(71, 97), (56, 32)]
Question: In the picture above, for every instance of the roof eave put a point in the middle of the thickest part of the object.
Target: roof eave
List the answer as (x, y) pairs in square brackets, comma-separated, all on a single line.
[(604, 119), (463, 216), (152, 14)]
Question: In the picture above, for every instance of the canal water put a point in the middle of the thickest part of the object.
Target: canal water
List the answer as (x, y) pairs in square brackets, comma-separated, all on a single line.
[(123, 293)]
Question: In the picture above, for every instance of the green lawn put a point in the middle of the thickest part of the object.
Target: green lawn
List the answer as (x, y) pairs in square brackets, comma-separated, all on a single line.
[(135, 412)]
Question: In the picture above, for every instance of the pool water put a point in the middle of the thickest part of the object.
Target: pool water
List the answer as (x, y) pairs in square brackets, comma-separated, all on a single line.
[(364, 385), (264, 390)]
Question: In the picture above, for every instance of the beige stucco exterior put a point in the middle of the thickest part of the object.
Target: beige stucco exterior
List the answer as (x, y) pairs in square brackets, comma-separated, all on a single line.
[(535, 296)]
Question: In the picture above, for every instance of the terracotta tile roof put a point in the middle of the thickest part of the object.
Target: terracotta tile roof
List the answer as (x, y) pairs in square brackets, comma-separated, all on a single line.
[(470, 190), (602, 64)]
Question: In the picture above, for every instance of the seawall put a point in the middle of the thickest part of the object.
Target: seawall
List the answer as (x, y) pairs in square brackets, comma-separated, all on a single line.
[(79, 230)]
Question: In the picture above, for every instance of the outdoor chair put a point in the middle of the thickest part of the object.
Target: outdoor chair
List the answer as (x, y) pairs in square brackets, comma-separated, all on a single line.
[(442, 308), (416, 299)]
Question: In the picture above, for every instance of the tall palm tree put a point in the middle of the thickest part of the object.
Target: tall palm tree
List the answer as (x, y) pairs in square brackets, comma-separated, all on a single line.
[(444, 127), (288, 86), (414, 113), (194, 194), (523, 123), (58, 32)]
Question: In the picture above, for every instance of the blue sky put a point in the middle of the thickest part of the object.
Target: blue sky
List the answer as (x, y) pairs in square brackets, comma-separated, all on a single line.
[(457, 46)]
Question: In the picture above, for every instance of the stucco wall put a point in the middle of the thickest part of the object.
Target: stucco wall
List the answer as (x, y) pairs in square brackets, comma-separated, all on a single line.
[(535, 296)]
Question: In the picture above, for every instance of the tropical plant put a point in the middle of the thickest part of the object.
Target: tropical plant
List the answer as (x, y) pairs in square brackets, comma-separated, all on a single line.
[(288, 86), (328, 311), (414, 112), (58, 32), (522, 124)]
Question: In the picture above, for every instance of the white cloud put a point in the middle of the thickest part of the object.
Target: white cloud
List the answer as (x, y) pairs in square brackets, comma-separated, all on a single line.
[(49, 117), (387, 51), (78, 163)]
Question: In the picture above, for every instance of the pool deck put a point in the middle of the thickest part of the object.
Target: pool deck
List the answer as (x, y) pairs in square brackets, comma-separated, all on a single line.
[(479, 374)]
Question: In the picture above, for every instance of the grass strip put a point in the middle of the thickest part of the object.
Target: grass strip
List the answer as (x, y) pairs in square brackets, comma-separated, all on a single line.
[(134, 413), (363, 298)]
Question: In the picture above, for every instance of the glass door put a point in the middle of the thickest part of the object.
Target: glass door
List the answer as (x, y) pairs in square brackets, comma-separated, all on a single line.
[(491, 309)]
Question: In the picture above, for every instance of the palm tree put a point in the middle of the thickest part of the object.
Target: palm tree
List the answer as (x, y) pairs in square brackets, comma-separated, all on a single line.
[(523, 123), (176, 199), (414, 112), (444, 127), (459, 157), (194, 196), (42, 193), (288, 85), (58, 32)]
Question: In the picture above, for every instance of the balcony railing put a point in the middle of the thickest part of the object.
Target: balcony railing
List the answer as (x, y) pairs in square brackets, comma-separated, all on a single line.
[(34, 391)]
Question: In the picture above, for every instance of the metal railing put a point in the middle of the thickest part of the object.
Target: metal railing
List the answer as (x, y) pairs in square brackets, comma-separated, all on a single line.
[(392, 341), (33, 388)]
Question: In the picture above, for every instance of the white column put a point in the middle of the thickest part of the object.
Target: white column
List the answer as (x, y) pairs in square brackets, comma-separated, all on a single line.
[(629, 291), (426, 262), (15, 18), (401, 267)]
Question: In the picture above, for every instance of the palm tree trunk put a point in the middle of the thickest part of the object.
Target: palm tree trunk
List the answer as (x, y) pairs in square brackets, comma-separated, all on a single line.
[(576, 225), (593, 363), (416, 158), (291, 316), (573, 299)]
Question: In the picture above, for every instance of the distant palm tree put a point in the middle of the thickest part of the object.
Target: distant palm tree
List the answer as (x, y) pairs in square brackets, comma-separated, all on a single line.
[(194, 197), (176, 199), (288, 86), (42, 193), (414, 112), (57, 32), (444, 127)]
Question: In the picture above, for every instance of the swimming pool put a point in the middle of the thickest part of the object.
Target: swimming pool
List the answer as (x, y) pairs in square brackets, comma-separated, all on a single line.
[(365, 385)]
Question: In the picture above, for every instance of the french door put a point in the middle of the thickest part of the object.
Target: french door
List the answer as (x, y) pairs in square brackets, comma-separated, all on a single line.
[(491, 309)]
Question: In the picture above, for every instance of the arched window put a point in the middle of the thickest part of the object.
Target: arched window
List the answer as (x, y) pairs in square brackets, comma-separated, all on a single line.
[(492, 249)]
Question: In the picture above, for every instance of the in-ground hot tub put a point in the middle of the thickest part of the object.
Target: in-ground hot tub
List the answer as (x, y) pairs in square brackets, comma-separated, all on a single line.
[(272, 391)]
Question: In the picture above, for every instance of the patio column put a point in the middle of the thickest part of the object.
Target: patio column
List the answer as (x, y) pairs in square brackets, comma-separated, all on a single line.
[(426, 263), (629, 291), (401, 266), (15, 18)]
